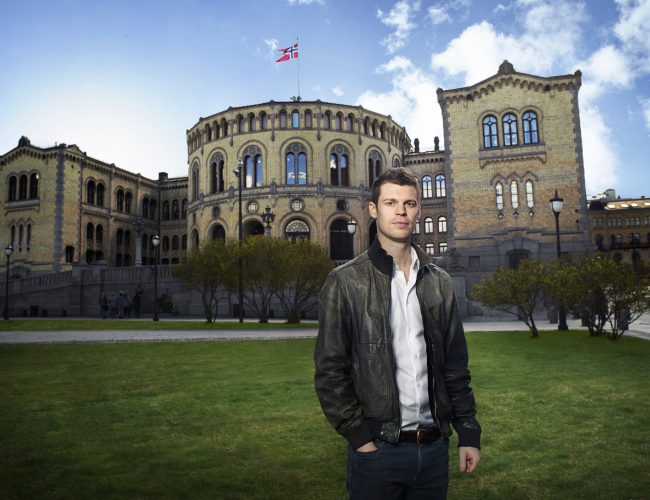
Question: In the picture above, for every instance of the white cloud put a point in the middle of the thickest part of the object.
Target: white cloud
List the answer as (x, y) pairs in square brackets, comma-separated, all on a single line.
[(304, 2), (272, 45), (633, 29), (412, 101), (600, 158), (607, 67), (399, 17), (438, 15), (645, 108), (338, 91)]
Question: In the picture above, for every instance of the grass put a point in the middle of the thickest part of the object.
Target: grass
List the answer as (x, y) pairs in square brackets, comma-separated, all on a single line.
[(27, 325), (564, 416)]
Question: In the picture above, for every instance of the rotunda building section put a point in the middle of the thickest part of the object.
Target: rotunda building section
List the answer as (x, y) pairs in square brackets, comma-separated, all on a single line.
[(310, 163)]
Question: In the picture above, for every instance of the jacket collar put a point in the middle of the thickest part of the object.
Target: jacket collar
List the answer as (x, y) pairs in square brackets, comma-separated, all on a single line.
[(384, 262)]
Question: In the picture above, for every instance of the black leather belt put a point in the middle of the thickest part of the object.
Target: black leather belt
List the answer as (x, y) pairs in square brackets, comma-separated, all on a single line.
[(420, 436)]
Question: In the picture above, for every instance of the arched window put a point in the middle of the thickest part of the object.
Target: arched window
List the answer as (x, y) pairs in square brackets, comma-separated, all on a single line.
[(195, 239), (174, 242), (442, 247), (349, 123), (175, 210), (152, 210), (99, 233), (145, 207), (514, 194), (264, 120), (429, 249), (240, 124), (128, 198), (119, 238), (427, 187), (341, 241), (509, 122), (442, 224), (428, 225), (195, 182), (100, 194), (184, 242), (90, 192), (29, 236), (529, 122), (165, 210), (90, 232), (339, 171), (498, 189), (184, 209), (165, 244), (283, 119), (490, 137), (366, 125), (326, 120), (296, 164), (33, 186), (295, 119), (22, 187), (13, 183), (120, 200), (251, 122), (308, 119), (216, 173), (374, 166), (396, 162), (218, 233), (530, 200), (20, 238), (441, 186), (338, 119), (416, 230), (297, 229), (253, 167)]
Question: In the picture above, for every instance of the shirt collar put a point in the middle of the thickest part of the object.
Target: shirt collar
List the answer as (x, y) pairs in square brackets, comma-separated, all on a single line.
[(415, 262)]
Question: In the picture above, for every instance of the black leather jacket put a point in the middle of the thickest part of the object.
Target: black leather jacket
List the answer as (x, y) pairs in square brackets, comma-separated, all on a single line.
[(355, 366)]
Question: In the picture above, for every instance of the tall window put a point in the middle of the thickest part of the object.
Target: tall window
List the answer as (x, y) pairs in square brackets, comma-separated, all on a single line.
[(90, 192), (349, 123), (428, 225), (216, 173), (295, 119), (326, 120), (429, 249), (145, 207), (264, 120), (427, 188), (253, 168), (184, 209), (152, 210), (251, 122), (416, 230), (499, 195), (442, 224), (119, 237), (490, 137), (240, 124), (283, 119), (308, 119), (174, 242), (120, 200), (339, 171), (514, 194), (338, 119), (100, 194), (441, 186), (128, 198), (99, 233), (529, 122), (442, 247), (296, 165), (90, 232), (175, 210), (22, 187), (13, 183), (509, 130), (165, 210), (195, 181), (33, 186), (530, 200), (374, 166)]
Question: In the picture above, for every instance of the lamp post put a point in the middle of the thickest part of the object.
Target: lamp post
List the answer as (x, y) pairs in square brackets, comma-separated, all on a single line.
[(9, 249), (352, 226), (268, 217), (556, 206), (240, 285), (156, 241)]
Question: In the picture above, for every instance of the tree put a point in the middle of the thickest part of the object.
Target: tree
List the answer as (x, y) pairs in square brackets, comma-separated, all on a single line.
[(307, 266), (516, 291), (207, 269), (606, 294), (265, 270)]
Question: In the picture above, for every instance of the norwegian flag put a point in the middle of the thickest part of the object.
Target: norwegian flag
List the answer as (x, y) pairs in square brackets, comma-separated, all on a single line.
[(289, 53)]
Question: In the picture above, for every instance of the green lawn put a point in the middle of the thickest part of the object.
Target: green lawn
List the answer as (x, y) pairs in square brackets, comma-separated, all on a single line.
[(564, 416), (27, 325)]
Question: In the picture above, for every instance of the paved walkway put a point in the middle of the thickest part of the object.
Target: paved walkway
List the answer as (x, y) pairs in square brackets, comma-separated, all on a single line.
[(640, 328)]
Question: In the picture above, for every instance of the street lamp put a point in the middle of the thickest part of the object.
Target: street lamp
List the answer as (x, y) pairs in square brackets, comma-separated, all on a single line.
[(239, 172), (268, 217), (155, 240), (556, 206), (9, 249), (352, 226)]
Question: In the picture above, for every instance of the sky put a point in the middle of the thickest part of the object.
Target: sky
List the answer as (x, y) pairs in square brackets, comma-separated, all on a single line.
[(125, 79)]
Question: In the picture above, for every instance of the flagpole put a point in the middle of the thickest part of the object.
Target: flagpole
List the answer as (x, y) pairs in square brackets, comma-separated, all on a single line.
[(298, 68)]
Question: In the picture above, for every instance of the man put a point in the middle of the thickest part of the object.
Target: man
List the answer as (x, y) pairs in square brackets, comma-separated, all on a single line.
[(391, 358)]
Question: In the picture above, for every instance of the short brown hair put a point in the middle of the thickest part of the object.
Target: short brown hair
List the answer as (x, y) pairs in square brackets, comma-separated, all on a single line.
[(398, 175)]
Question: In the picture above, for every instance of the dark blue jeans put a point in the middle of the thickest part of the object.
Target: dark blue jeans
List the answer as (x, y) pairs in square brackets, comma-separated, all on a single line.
[(399, 471)]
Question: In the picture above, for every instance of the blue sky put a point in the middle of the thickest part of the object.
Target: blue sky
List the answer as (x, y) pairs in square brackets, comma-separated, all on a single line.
[(124, 79)]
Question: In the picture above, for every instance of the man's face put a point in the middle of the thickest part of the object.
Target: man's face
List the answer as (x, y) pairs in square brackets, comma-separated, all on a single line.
[(396, 212)]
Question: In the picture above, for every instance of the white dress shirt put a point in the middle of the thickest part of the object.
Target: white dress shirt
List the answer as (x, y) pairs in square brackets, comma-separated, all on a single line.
[(409, 348)]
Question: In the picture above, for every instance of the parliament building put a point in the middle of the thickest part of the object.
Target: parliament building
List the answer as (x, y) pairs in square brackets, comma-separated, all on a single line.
[(510, 143)]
